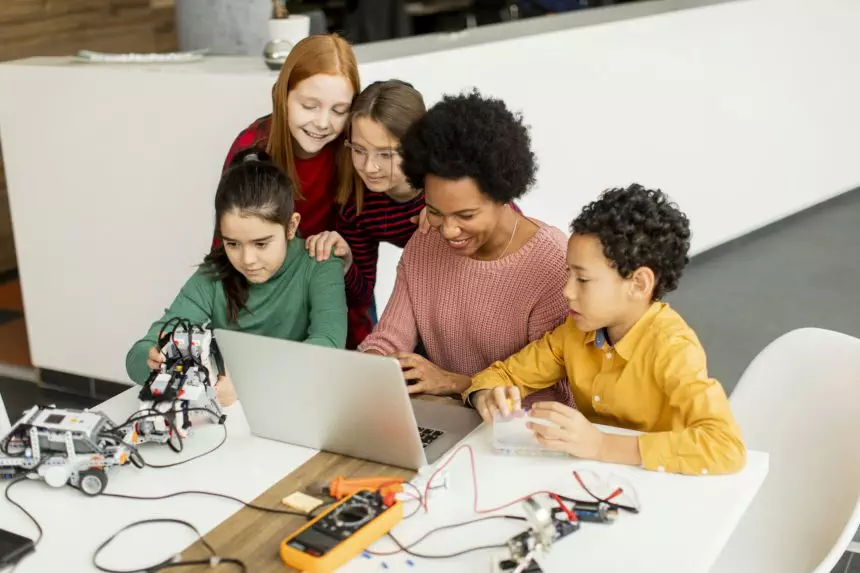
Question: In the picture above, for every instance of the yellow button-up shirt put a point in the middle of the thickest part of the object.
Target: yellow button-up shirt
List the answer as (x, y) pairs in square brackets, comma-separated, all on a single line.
[(653, 380)]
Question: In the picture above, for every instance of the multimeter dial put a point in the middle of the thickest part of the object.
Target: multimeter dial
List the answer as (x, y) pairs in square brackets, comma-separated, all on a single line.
[(352, 515)]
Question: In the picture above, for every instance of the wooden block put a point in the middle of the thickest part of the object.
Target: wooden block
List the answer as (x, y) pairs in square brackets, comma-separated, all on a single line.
[(301, 502)]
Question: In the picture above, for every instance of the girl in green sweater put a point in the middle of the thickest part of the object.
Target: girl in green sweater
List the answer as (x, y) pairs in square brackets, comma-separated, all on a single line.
[(260, 279)]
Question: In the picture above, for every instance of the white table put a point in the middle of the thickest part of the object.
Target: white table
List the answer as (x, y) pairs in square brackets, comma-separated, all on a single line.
[(75, 525), (683, 524)]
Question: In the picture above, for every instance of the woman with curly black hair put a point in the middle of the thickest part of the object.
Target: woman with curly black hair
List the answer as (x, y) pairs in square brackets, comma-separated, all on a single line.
[(486, 280)]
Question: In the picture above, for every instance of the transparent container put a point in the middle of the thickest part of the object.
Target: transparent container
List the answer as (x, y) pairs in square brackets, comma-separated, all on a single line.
[(512, 437)]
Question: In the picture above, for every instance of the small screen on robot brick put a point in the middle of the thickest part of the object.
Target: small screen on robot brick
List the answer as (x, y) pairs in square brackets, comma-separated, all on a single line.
[(54, 418)]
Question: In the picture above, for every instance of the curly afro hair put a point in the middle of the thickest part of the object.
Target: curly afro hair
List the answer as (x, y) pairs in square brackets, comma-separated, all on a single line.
[(471, 136), (639, 227)]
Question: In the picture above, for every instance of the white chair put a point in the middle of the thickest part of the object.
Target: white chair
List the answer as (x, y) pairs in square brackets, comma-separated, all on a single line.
[(799, 401), (5, 425)]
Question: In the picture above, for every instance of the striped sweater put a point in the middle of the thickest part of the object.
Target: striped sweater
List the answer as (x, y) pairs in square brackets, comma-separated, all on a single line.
[(382, 220)]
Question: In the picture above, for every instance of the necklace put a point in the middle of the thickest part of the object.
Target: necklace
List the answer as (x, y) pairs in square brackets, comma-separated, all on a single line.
[(511, 240)]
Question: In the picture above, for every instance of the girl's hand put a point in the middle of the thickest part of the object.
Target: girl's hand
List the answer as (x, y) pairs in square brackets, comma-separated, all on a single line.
[(422, 221), (225, 391), (154, 359), (320, 247)]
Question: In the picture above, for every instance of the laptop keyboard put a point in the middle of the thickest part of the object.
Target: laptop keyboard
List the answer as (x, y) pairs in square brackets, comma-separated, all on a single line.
[(428, 435)]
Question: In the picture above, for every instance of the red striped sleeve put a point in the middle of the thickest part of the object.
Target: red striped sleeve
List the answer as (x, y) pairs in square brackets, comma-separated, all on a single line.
[(382, 220)]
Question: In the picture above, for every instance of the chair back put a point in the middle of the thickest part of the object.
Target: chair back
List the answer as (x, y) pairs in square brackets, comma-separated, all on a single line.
[(799, 401)]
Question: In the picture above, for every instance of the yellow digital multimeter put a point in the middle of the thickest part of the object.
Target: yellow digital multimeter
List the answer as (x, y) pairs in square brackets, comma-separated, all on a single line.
[(341, 533)]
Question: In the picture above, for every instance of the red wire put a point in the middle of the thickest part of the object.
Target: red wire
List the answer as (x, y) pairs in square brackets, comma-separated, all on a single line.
[(571, 515), (475, 487), (618, 491)]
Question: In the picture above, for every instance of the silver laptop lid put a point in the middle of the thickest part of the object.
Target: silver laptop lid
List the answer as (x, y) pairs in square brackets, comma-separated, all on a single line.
[(327, 399)]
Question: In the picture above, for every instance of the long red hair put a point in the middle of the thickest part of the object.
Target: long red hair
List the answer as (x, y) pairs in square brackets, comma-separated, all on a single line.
[(320, 54)]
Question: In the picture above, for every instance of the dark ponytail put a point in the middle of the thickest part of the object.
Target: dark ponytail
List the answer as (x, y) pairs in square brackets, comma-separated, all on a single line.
[(253, 185)]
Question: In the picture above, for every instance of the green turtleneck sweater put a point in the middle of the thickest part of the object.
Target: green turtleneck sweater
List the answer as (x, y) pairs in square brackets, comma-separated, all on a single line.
[(305, 301)]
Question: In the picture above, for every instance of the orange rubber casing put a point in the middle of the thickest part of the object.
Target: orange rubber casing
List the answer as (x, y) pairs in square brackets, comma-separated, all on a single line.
[(348, 548), (342, 487)]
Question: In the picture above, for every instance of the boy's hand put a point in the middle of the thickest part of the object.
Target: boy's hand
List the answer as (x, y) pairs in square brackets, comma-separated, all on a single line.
[(504, 399), (571, 432), (320, 247)]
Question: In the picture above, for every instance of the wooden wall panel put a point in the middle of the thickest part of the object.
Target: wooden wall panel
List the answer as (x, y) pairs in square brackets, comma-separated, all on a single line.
[(62, 27)]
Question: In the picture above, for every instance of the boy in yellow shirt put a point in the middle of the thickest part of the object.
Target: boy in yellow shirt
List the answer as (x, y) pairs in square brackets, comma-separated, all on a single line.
[(630, 359)]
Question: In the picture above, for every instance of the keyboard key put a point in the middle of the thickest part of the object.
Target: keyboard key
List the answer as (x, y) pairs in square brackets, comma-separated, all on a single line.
[(428, 435)]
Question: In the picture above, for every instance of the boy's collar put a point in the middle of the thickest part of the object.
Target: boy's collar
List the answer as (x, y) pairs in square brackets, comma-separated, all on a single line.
[(629, 341)]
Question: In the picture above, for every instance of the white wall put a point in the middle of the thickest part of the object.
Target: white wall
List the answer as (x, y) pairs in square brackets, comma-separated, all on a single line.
[(744, 112)]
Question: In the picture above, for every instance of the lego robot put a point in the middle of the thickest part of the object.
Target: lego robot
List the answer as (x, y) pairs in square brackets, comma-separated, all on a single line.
[(63, 446), (183, 387)]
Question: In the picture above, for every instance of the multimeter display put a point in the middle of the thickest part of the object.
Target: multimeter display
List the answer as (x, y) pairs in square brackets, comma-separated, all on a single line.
[(340, 524), (341, 533)]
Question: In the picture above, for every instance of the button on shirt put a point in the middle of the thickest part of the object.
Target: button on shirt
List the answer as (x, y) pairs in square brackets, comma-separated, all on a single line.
[(653, 380)]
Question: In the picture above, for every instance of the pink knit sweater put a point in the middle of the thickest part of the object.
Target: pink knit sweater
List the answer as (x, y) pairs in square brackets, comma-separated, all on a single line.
[(470, 313)]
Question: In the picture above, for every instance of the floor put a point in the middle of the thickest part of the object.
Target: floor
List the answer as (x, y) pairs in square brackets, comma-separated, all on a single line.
[(736, 304)]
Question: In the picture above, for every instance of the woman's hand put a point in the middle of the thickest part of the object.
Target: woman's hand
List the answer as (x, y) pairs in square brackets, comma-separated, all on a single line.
[(429, 378), (225, 392), (320, 247), (154, 359)]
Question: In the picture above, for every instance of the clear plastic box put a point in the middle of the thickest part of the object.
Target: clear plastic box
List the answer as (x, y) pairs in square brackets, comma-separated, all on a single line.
[(511, 436)]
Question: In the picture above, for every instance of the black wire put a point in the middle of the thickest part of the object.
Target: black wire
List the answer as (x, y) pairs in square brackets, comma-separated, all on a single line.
[(408, 546), (608, 502), (192, 458), (406, 550), (210, 493), (172, 561), (21, 507), (168, 418), (178, 322), (28, 514)]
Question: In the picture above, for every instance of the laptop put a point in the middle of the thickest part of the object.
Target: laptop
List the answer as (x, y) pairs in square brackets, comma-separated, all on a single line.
[(339, 401)]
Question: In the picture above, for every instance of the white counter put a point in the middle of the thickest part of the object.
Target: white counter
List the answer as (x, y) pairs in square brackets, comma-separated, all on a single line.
[(744, 111)]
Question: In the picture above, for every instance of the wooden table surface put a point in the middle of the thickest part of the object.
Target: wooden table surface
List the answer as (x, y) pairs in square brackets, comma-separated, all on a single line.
[(254, 536)]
